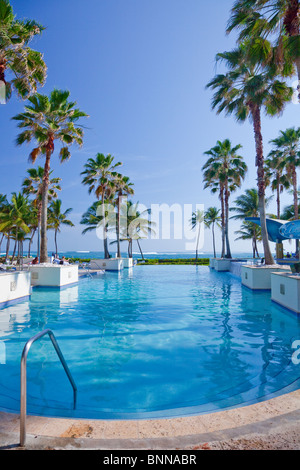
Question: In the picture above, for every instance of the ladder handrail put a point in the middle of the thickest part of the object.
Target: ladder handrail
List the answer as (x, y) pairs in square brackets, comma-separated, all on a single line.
[(23, 399)]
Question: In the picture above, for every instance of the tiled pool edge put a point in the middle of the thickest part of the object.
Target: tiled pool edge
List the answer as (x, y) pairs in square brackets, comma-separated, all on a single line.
[(126, 434)]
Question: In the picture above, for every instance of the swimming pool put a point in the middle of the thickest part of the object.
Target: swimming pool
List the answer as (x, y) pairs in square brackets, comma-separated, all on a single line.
[(155, 341)]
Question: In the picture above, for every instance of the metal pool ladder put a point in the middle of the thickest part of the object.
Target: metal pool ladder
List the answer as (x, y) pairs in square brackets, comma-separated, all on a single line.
[(23, 399)]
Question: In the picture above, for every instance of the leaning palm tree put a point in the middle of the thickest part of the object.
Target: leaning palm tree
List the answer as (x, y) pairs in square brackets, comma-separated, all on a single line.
[(211, 219), (25, 65), (57, 218), (100, 176), (247, 205), (250, 231), (245, 90), (197, 221), (96, 217), (47, 120), (226, 167), (263, 20)]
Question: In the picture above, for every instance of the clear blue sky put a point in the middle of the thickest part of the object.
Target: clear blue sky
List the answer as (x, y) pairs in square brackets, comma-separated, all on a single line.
[(139, 69)]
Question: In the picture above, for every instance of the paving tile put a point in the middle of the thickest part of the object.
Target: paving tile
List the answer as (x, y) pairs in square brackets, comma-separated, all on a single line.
[(120, 430)]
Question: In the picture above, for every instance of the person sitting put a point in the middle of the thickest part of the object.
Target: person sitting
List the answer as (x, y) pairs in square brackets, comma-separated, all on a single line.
[(288, 255), (56, 259), (63, 261), (35, 260)]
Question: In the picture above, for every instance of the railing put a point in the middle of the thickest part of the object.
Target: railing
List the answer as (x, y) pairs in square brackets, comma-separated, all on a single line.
[(23, 400)]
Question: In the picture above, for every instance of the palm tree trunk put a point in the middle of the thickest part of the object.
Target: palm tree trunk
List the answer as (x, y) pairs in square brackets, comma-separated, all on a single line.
[(228, 251), (44, 211), (278, 196), (291, 24), (55, 241), (14, 252), (1, 241), (105, 243), (140, 249), (255, 110), (213, 236), (296, 207), (222, 221), (7, 247), (30, 242), (198, 238), (118, 224)]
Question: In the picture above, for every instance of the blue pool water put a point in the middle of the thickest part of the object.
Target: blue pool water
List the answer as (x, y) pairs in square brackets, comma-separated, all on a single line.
[(156, 341)]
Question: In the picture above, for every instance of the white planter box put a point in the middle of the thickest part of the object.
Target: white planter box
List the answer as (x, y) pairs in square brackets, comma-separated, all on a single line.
[(212, 263), (111, 264), (285, 290), (49, 275), (127, 262), (259, 277), (222, 264), (14, 286)]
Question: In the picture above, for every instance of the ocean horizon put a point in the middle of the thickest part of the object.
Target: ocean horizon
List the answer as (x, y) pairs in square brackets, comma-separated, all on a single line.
[(85, 254)]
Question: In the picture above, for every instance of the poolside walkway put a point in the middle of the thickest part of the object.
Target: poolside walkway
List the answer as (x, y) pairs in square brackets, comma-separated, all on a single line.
[(273, 424)]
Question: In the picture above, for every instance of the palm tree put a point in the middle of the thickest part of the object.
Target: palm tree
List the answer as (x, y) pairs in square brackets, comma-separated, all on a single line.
[(275, 165), (197, 221), (246, 90), (33, 185), (100, 176), (260, 20), (250, 231), (47, 120), (247, 205), (26, 65), (289, 144), (57, 218), (135, 225), (15, 219), (95, 217), (212, 218), (122, 187), (228, 169), (3, 206)]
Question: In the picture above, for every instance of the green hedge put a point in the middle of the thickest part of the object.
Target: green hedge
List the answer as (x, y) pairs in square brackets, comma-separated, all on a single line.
[(178, 261)]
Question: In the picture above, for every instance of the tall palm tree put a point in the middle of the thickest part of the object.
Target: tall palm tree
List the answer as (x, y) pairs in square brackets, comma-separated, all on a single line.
[(247, 205), (33, 185), (100, 176), (26, 65), (276, 177), (245, 90), (226, 167), (278, 20), (47, 120), (197, 221), (211, 219), (57, 218)]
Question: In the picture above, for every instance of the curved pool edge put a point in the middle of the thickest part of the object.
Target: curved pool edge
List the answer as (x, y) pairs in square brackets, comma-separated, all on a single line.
[(156, 433)]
